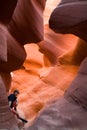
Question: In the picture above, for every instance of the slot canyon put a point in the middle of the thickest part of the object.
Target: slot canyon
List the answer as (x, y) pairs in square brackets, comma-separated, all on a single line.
[(43, 54)]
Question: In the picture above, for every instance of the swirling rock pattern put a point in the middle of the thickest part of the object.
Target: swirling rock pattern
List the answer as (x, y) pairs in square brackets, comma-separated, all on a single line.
[(70, 17), (20, 22), (27, 22), (69, 112), (18, 28)]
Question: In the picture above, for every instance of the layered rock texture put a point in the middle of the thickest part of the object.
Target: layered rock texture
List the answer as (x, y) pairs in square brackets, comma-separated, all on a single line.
[(12, 52), (45, 71), (62, 21)]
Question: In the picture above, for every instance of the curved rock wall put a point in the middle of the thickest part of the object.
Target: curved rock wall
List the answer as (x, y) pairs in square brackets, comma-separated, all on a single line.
[(12, 53), (6, 10), (70, 112), (70, 17), (44, 77), (27, 22), (50, 66)]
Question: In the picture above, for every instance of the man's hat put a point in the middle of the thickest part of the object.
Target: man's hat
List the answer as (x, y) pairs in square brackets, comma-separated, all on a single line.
[(16, 91)]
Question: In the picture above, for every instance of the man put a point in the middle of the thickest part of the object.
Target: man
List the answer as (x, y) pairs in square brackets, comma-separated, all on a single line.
[(12, 98)]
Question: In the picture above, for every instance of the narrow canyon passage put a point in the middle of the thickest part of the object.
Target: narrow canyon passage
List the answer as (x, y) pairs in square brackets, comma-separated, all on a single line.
[(49, 68)]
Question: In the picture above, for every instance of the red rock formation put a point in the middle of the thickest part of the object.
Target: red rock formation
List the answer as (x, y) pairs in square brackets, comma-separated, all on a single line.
[(6, 10), (27, 22), (12, 53), (69, 112), (48, 69), (70, 17)]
